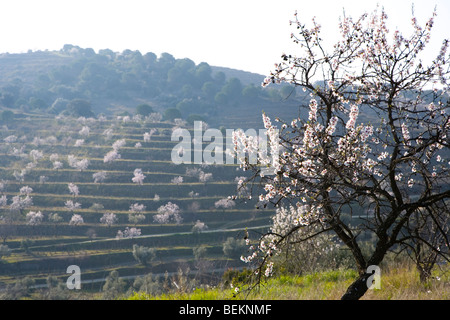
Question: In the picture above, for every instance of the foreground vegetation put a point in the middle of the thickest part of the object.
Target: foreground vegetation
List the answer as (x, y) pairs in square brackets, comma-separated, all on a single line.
[(398, 282)]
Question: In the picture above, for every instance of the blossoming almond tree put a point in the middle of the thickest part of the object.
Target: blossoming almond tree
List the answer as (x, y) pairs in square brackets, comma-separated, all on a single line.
[(99, 176), (374, 143), (76, 220), (138, 177), (109, 219), (167, 213), (73, 189), (34, 218)]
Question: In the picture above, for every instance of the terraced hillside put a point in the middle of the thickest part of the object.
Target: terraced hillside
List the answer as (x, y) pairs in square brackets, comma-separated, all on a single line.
[(67, 197)]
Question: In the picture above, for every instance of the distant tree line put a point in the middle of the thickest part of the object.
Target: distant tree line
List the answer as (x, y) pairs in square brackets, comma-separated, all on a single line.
[(86, 82)]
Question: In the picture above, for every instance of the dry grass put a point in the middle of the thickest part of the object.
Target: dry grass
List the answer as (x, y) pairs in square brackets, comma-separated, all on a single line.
[(402, 283)]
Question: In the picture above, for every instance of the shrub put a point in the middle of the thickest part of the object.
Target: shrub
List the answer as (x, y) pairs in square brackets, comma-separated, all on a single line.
[(143, 255)]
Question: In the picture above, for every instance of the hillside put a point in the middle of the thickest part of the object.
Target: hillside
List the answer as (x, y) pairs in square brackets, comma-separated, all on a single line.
[(64, 202), (58, 188), (114, 83)]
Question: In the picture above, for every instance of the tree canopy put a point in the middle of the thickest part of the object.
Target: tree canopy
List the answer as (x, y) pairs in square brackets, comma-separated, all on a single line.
[(144, 109), (107, 79), (80, 108)]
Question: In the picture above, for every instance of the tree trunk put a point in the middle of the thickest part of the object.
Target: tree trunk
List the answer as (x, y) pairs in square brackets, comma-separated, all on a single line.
[(358, 288), (424, 274)]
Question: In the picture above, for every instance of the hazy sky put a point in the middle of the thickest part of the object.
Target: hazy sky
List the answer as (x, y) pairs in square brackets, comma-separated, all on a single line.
[(244, 34)]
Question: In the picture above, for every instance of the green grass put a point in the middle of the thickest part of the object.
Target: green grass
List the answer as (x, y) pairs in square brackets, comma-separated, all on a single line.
[(397, 283), (197, 294)]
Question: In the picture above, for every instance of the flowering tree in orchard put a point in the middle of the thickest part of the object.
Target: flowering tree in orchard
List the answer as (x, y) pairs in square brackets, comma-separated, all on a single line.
[(177, 180), (99, 177), (72, 206), (148, 135), (138, 177), (76, 220), (135, 213), (34, 218), (109, 219), (128, 233), (224, 203), (372, 145), (73, 189), (77, 164), (167, 213)]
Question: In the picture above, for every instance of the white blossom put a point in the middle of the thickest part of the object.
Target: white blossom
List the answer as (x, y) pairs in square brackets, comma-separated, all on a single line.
[(99, 177), (73, 189), (84, 131), (128, 233), (34, 218), (76, 220), (177, 180), (26, 190), (36, 155), (71, 206), (112, 155), (108, 133), (138, 177), (118, 144), (224, 203), (148, 135), (199, 227), (79, 142), (3, 201), (109, 218), (10, 139), (77, 164), (167, 213), (136, 207), (54, 157), (57, 165)]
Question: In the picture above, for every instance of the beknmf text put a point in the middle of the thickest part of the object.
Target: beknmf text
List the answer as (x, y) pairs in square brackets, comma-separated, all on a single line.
[(226, 309)]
